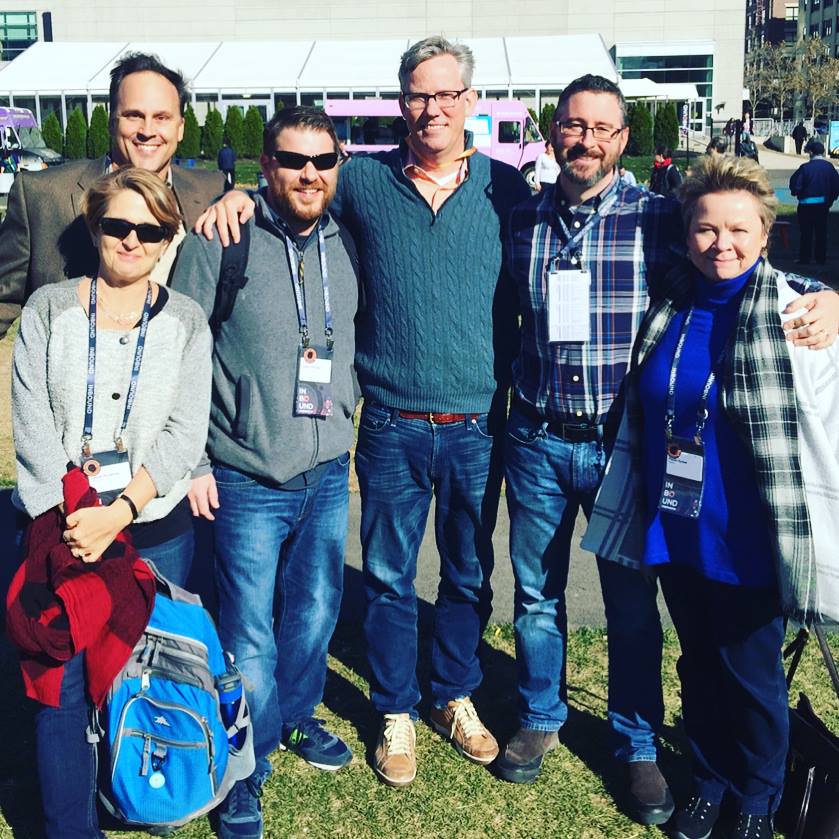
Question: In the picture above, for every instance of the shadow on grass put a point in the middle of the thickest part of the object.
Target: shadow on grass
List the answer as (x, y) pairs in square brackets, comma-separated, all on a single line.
[(587, 734)]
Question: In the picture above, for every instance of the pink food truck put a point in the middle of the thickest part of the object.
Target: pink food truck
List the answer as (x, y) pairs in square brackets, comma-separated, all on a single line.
[(501, 128)]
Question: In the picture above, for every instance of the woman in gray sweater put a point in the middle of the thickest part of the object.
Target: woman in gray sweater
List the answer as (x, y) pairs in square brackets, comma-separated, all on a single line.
[(111, 373)]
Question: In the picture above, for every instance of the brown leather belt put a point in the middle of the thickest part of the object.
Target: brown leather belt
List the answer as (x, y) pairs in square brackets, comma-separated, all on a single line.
[(435, 418)]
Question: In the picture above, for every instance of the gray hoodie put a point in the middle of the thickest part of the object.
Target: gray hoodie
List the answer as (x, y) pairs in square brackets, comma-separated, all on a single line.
[(252, 425)]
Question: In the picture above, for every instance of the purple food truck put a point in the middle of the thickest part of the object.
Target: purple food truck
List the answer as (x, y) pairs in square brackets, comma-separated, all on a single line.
[(19, 133), (501, 128)]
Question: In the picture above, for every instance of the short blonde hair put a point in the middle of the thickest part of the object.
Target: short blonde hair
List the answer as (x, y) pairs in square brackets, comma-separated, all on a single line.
[(158, 195), (725, 173)]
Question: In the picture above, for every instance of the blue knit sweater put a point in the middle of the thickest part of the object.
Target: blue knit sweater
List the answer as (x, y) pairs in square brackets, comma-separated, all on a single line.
[(437, 327)]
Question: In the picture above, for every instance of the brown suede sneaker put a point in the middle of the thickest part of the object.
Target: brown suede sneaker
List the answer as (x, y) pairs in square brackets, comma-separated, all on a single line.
[(396, 752), (460, 723)]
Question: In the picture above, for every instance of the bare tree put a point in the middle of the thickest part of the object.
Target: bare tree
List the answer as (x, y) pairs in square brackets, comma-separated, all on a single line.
[(820, 73), (783, 67), (757, 76)]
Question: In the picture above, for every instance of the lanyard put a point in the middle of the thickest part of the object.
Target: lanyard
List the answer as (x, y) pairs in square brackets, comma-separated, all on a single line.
[(295, 257), (91, 370), (702, 409)]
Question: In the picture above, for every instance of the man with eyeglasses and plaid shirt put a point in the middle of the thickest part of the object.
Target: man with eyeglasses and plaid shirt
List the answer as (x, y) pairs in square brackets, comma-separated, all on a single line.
[(275, 484), (585, 256)]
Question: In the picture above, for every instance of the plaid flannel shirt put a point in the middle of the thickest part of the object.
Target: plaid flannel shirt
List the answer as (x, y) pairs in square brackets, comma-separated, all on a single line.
[(626, 238)]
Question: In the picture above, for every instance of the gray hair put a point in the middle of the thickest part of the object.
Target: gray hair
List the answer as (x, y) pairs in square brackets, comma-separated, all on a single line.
[(430, 48)]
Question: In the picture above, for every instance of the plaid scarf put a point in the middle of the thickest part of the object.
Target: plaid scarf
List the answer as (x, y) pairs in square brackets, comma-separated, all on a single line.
[(758, 396), (58, 605)]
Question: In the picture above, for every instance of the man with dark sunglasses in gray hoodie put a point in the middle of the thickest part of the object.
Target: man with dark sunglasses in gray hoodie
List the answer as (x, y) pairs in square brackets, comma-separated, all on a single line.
[(275, 483)]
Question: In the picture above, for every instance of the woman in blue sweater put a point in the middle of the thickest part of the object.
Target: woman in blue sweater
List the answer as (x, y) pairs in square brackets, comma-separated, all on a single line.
[(720, 480)]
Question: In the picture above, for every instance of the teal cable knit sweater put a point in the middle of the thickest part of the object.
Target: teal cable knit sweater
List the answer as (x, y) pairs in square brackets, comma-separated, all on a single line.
[(437, 327)]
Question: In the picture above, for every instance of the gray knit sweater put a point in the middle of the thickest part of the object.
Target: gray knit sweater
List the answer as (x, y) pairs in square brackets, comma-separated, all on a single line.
[(167, 428)]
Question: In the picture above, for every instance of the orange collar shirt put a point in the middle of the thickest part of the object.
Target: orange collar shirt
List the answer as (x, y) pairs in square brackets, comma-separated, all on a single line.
[(435, 189)]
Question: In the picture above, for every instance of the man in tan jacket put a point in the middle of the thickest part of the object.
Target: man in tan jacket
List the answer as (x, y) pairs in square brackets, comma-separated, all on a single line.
[(43, 238)]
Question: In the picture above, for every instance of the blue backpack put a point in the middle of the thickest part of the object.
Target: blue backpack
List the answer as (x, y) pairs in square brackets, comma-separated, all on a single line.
[(165, 753)]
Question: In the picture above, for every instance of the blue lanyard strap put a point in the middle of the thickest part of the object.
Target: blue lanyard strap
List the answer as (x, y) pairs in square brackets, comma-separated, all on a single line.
[(295, 258), (87, 436), (702, 409)]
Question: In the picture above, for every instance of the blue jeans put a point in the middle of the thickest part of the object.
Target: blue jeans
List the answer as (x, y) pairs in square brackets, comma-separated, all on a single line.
[(401, 463), (734, 690), (548, 480), (288, 543), (66, 767)]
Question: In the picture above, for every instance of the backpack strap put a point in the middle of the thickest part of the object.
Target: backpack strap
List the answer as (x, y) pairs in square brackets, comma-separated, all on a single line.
[(232, 278), (349, 246)]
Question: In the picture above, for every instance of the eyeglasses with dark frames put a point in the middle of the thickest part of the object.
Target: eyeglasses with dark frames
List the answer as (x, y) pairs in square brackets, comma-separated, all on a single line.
[(576, 131), (444, 98), (121, 229), (294, 160)]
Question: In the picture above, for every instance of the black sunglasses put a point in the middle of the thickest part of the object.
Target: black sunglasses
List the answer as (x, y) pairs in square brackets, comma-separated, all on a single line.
[(119, 228), (294, 160)]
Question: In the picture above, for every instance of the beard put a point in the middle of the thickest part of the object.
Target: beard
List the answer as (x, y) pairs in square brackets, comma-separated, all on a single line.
[(293, 209), (606, 166)]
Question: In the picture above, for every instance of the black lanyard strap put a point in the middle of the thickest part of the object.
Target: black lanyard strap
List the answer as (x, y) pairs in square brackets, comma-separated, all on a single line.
[(87, 436), (295, 258)]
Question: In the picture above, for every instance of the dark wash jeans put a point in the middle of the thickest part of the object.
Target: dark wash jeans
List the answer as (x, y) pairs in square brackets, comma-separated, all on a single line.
[(734, 691), (280, 576), (401, 463), (66, 765), (548, 480)]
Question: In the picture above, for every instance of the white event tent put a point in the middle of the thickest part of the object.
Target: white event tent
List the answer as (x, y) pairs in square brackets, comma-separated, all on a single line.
[(67, 74), (58, 76)]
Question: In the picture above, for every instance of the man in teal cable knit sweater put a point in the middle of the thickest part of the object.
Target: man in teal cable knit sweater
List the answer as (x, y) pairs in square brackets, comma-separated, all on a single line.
[(437, 332), (436, 335)]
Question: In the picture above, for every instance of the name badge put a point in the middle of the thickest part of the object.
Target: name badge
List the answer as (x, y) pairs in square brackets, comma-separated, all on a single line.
[(108, 472), (314, 382), (569, 306), (684, 472)]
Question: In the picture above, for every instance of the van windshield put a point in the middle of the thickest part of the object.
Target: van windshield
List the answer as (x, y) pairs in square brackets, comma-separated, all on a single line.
[(31, 138)]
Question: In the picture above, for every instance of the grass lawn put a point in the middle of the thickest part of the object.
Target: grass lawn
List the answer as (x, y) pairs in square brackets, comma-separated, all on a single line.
[(246, 170), (573, 799)]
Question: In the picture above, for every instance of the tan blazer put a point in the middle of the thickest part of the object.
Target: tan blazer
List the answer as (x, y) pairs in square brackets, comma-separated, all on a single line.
[(43, 238)]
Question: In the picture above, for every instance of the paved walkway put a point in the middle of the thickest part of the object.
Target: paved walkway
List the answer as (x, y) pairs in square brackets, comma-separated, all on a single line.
[(585, 607)]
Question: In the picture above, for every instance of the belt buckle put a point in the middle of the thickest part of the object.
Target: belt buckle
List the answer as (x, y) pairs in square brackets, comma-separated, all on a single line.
[(431, 416)]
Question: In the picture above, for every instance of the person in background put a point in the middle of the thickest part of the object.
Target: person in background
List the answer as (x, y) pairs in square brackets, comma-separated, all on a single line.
[(748, 147), (799, 135), (665, 176), (727, 467), (718, 145), (627, 176), (816, 185), (547, 169), (227, 165), (66, 408)]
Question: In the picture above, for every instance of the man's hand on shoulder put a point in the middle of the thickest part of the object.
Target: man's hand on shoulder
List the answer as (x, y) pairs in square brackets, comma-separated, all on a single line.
[(817, 326), (231, 210)]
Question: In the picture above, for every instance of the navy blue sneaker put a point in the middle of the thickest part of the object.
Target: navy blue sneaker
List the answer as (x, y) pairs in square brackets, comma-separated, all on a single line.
[(240, 814), (316, 745)]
